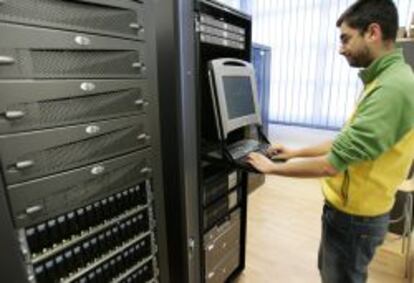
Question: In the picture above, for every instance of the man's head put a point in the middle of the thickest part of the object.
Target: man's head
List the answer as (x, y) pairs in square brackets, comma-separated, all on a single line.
[(368, 30)]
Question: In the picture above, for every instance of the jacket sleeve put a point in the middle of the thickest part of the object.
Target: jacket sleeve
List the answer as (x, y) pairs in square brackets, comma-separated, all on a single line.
[(374, 129)]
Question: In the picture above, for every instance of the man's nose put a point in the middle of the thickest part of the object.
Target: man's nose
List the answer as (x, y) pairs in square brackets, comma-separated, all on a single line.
[(341, 50)]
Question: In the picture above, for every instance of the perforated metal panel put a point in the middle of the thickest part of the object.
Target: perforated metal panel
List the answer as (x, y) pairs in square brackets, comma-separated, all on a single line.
[(27, 52), (86, 63), (59, 193), (61, 149), (51, 63), (43, 104), (85, 107), (74, 64), (120, 18)]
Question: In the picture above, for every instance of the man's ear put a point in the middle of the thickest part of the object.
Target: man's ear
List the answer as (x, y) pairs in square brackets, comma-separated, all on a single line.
[(374, 32)]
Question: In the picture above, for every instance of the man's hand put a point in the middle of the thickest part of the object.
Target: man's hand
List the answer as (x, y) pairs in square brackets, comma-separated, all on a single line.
[(281, 152), (260, 162)]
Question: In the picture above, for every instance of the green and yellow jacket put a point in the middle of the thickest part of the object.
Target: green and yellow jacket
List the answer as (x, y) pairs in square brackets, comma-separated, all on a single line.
[(375, 149)]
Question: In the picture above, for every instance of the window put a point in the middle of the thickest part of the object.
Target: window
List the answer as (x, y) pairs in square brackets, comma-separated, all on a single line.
[(311, 84)]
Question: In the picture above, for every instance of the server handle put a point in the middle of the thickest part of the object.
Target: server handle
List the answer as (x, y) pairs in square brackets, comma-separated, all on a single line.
[(14, 114), (6, 60), (24, 164)]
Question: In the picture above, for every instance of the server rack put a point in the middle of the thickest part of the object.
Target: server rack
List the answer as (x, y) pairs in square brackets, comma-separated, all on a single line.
[(206, 202), (81, 195), (408, 49)]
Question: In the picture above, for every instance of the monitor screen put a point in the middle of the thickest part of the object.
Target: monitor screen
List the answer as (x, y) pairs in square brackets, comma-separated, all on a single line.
[(239, 96), (234, 95)]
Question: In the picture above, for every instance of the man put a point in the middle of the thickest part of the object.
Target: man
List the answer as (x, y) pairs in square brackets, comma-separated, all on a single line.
[(371, 156)]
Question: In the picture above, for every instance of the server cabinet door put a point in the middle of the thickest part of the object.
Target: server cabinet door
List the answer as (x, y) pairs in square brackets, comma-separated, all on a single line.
[(114, 18), (38, 200), (35, 154), (28, 52), (33, 105), (408, 50)]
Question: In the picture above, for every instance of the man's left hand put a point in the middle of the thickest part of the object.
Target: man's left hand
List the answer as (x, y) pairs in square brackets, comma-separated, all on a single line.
[(260, 162)]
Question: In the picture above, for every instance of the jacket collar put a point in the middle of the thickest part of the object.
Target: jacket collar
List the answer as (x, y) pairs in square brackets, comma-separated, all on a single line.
[(380, 64)]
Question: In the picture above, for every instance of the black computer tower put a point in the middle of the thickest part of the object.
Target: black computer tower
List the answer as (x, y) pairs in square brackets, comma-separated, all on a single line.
[(81, 190), (400, 213), (206, 201)]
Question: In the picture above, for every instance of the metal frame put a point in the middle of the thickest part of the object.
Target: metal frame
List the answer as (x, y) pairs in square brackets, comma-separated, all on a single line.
[(176, 70), (158, 182), (11, 258)]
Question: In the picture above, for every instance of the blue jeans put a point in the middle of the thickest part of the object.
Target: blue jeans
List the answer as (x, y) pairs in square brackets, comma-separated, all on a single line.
[(348, 245)]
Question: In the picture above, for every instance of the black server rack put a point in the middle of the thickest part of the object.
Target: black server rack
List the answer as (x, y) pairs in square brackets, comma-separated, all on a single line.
[(408, 49), (81, 191), (206, 202)]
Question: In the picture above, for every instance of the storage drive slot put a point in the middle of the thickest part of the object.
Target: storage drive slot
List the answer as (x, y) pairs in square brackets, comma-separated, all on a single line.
[(136, 268), (90, 233), (72, 224), (97, 263)]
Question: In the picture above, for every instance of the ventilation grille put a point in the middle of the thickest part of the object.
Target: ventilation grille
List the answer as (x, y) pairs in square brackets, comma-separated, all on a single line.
[(56, 63), (73, 15)]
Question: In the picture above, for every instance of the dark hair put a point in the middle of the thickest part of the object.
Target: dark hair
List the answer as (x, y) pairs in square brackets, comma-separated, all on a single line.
[(365, 12)]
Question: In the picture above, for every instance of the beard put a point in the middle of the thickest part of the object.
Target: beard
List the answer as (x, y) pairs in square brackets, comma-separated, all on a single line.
[(360, 59)]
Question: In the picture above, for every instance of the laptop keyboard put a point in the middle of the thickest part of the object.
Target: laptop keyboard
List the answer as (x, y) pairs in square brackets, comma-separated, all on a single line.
[(242, 148)]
